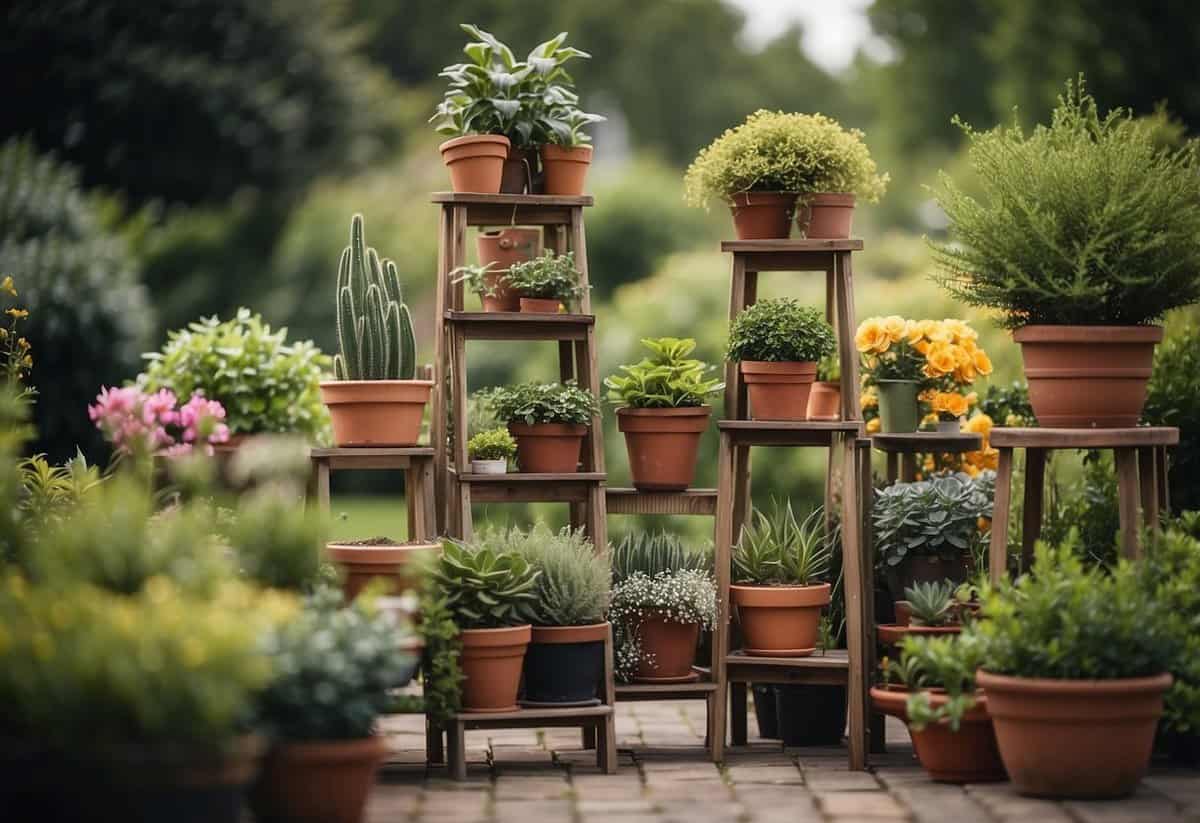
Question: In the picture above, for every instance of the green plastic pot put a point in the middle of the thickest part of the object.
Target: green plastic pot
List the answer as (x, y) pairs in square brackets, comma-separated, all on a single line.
[(898, 406)]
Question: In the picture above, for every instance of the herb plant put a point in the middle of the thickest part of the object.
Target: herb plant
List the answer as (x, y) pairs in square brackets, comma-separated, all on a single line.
[(549, 277), (667, 379), (779, 550), (544, 403), (574, 581), (475, 278), (946, 662), (1173, 399), (829, 370), (933, 603), (651, 553), (485, 588), (685, 596), (780, 330), (494, 444), (941, 517)]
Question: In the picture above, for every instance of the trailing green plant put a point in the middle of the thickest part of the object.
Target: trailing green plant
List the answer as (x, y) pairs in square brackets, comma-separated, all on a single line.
[(774, 151), (939, 517), (494, 444), (948, 662), (474, 277), (265, 383), (543, 403), (1088, 220), (684, 596), (933, 602), (651, 553), (779, 550), (829, 369), (549, 277), (1173, 399), (485, 588), (374, 327), (667, 379), (573, 585), (780, 330)]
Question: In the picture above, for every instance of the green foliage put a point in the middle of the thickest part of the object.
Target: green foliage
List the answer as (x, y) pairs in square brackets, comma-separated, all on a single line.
[(1008, 405), (543, 403), (1085, 221), (780, 330), (654, 553), (475, 279), (684, 596), (1174, 400), (49, 491), (486, 588), (334, 664), (773, 151), (441, 675), (264, 383), (374, 327), (278, 540), (550, 277), (779, 550), (573, 585), (933, 602), (829, 369), (666, 379), (493, 444), (938, 517), (948, 662), (1088, 505)]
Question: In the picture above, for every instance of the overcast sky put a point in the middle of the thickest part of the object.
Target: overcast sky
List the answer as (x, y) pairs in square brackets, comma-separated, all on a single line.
[(833, 29)]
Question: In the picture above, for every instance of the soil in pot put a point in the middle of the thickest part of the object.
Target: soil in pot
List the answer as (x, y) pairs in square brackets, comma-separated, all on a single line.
[(491, 665), (825, 401), (363, 561), (564, 665), (376, 412), (668, 649), (763, 215), (520, 167), (811, 715), (779, 621), (325, 781), (1074, 738), (826, 216), (968, 755), (548, 448), (778, 391), (898, 413), (476, 162), (765, 710), (538, 305), (565, 168), (663, 445), (1088, 376)]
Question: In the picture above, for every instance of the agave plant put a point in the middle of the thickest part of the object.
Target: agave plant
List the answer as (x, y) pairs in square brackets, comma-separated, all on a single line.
[(932, 603), (779, 550), (484, 588), (652, 553)]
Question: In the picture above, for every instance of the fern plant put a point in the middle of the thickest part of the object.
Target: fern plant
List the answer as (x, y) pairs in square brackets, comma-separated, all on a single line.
[(667, 379), (779, 550), (932, 603)]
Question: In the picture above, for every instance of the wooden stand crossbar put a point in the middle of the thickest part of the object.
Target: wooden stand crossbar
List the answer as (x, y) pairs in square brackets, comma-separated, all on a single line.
[(902, 450), (416, 463)]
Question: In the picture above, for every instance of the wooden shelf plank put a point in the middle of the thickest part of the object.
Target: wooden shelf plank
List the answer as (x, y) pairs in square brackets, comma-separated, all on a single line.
[(477, 199), (632, 692), (923, 442), (791, 425), (787, 432), (831, 668), (528, 478), (526, 718), (574, 487), (520, 325), (791, 246), (634, 501), (372, 451), (1002, 437)]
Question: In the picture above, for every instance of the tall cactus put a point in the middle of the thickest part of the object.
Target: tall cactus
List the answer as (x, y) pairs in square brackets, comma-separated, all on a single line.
[(374, 327)]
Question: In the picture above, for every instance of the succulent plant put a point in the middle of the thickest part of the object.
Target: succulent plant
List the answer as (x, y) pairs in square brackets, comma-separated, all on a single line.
[(779, 550), (652, 553), (932, 603), (485, 588)]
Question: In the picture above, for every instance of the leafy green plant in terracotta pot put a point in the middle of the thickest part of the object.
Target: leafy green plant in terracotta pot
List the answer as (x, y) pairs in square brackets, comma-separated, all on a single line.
[(661, 410), (546, 284), (825, 400), (567, 153), (928, 608), (777, 344), (1083, 237), (549, 422), (499, 250), (491, 450)]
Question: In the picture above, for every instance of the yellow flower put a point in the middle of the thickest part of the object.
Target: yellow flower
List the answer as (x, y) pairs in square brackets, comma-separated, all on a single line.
[(979, 424), (7, 285), (989, 458), (915, 332), (871, 337), (873, 426), (895, 327), (922, 346), (958, 329), (930, 418), (971, 470), (940, 359), (869, 400), (983, 524), (927, 395), (938, 333), (982, 363), (965, 374), (928, 463), (17, 313), (951, 403), (972, 398)]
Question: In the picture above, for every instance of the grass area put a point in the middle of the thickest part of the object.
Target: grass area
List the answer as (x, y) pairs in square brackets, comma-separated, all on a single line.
[(358, 517)]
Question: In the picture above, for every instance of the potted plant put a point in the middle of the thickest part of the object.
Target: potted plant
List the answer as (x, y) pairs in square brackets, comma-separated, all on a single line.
[(657, 621), (929, 608), (1083, 236), (362, 562), (490, 595), (762, 167), (662, 412), (499, 250), (488, 283), (335, 665), (950, 407), (825, 400), (777, 344), (778, 564), (1075, 673), (564, 665), (549, 421), (567, 154), (374, 398), (544, 284), (491, 450)]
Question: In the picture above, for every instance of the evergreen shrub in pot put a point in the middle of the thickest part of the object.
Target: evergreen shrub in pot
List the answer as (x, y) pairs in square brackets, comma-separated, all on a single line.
[(549, 422)]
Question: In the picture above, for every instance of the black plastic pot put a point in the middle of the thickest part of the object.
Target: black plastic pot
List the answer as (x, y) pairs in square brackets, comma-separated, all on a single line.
[(562, 673), (811, 715), (766, 710)]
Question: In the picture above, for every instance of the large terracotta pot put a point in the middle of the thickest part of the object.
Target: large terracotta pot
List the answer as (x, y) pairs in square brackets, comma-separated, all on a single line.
[(564, 665), (502, 249), (362, 563), (324, 781), (778, 391), (893, 634), (1074, 738), (968, 755), (891, 700), (565, 169), (763, 215), (826, 216), (539, 305), (668, 649), (376, 412), (1088, 376), (663, 445), (491, 664), (780, 621), (476, 162), (548, 448), (825, 401), (520, 169)]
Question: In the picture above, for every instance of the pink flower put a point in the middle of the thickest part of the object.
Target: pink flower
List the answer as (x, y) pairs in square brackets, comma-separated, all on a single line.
[(154, 424)]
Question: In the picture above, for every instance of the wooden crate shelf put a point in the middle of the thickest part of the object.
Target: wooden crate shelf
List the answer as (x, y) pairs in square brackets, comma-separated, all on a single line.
[(690, 502), (831, 668), (512, 209), (520, 325), (417, 463)]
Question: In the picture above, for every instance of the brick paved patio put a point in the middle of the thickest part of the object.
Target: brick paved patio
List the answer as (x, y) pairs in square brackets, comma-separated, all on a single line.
[(544, 777)]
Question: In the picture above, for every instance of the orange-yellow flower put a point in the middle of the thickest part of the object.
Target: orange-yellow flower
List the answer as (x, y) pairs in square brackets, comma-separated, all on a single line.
[(982, 363), (972, 398), (927, 395), (896, 327), (871, 336), (940, 359), (873, 425), (937, 332), (980, 424), (869, 400), (951, 403)]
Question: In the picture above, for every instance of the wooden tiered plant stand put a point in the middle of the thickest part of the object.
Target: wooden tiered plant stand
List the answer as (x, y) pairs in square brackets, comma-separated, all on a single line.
[(738, 435), (1141, 461), (416, 462)]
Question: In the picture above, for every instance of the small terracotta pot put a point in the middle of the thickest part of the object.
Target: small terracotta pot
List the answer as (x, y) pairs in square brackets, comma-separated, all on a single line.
[(324, 781), (663, 445), (763, 215), (668, 649), (778, 391), (779, 621), (538, 305), (968, 755), (826, 216), (491, 664), (1074, 738), (502, 249), (362, 564), (520, 168), (476, 162), (489, 467), (565, 169), (548, 448), (825, 401), (892, 634), (564, 665), (1088, 376), (891, 700), (376, 412), (903, 612)]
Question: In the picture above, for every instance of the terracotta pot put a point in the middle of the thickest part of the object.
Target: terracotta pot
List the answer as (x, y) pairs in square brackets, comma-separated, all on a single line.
[(376, 412), (1088, 376), (538, 305), (476, 162), (362, 563), (1074, 738), (548, 448), (663, 445), (491, 664), (898, 412), (892, 634), (564, 665), (668, 649), (903, 611), (778, 391), (826, 216), (565, 169), (779, 621), (489, 467), (825, 401), (762, 215), (502, 249), (520, 168), (968, 755), (891, 700), (325, 781)]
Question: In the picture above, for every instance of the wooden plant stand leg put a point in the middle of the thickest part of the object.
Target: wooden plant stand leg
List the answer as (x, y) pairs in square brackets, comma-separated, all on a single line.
[(859, 635), (1127, 500), (738, 720), (1031, 516), (434, 751), (1148, 470), (456, 750), (1162, 466), (998, 549), (723, 540), (606, 732)]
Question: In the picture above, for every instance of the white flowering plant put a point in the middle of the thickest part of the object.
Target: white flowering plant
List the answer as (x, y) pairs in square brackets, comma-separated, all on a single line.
[(681, 596)]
